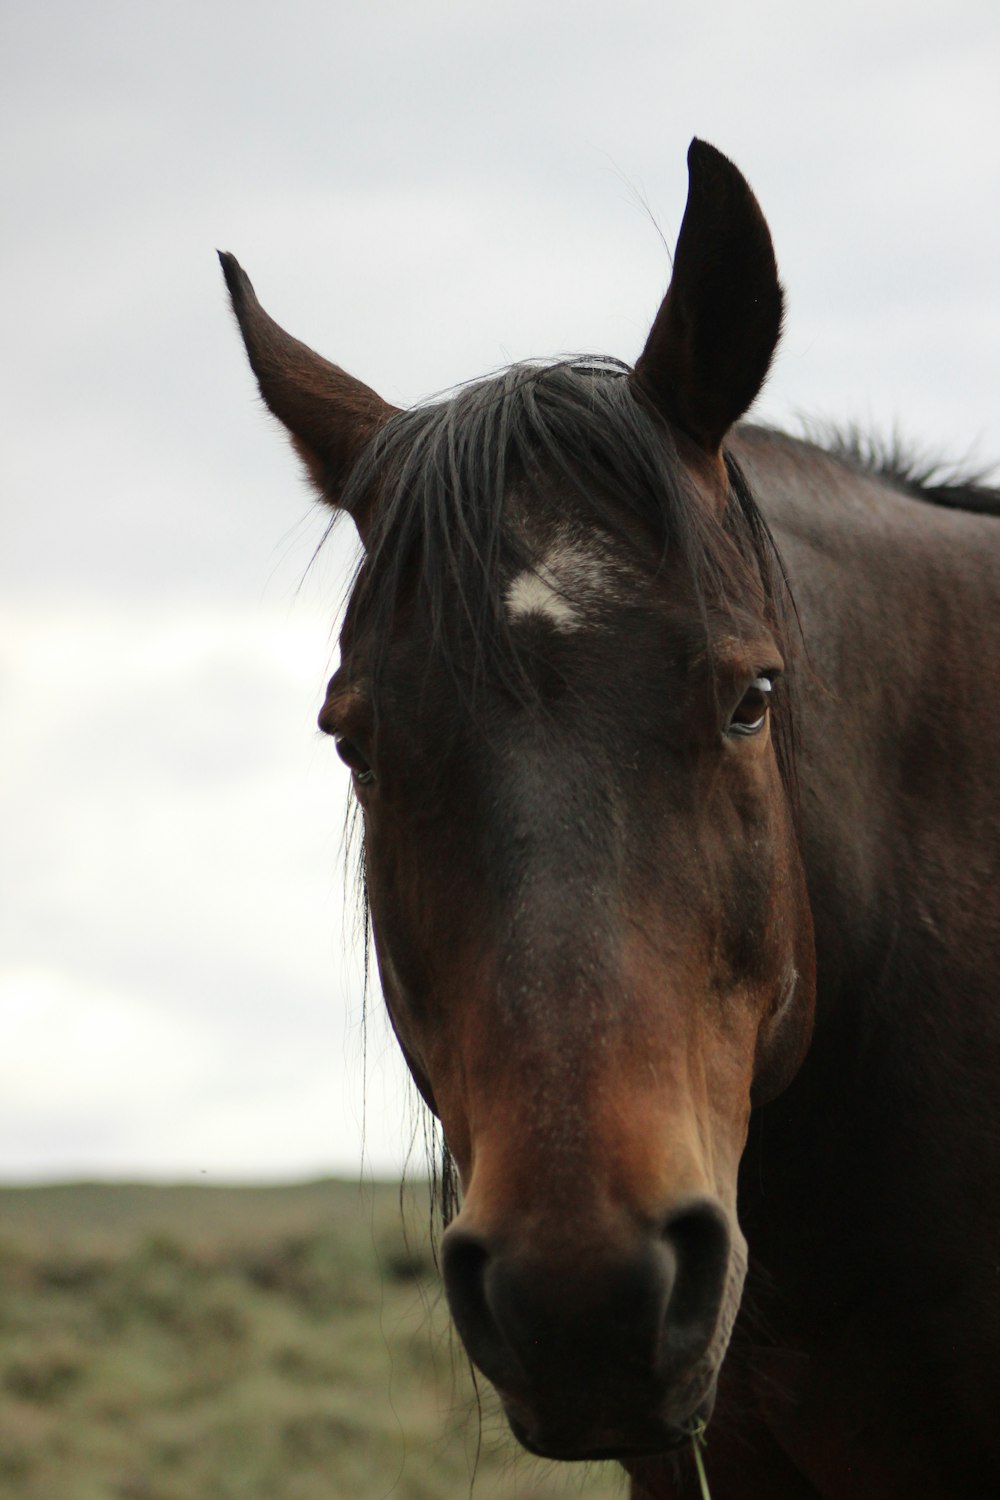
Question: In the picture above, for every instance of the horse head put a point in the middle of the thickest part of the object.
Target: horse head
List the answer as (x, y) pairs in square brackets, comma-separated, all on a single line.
[(563, 696)]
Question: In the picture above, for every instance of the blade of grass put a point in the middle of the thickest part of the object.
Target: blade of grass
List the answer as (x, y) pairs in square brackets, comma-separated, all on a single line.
[(697, 1444)]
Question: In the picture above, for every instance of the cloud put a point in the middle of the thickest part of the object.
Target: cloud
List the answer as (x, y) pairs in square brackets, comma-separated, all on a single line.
[(178, 954), (94, 1082)]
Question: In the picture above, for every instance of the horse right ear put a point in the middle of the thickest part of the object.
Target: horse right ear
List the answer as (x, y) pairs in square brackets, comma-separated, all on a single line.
[(329, 415), (713, 338)]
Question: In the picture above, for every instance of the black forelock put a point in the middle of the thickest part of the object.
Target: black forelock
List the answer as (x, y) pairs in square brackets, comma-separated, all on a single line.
[(439, 479)]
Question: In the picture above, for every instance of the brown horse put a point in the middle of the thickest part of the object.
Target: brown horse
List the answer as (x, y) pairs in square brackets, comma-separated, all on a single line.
[(673, 744)]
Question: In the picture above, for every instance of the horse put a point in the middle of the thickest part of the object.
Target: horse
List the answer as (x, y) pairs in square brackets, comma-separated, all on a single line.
[(672, 741)]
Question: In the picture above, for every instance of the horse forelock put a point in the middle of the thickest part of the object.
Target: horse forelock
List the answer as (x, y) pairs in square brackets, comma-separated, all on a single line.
[(524, 494)]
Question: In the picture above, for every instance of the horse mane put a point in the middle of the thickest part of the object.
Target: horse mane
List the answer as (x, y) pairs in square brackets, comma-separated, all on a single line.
[(440, 479), (932, 480)]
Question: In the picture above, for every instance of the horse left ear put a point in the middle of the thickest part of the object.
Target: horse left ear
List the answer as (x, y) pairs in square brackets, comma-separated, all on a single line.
[(329, 415), (711, 343)]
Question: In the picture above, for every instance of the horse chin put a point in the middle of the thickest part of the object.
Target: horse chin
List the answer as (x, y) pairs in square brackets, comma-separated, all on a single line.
[(562, 1436)]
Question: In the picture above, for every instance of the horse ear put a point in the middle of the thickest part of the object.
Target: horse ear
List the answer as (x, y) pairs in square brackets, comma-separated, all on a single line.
[(717, 328), (329, 414)]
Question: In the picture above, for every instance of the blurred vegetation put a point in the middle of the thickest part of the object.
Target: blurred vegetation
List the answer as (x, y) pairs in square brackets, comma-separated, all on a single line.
[(198, 1343)]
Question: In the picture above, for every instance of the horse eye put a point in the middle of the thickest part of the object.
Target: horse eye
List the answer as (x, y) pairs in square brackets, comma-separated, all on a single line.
[(354, 760), (750, 713)]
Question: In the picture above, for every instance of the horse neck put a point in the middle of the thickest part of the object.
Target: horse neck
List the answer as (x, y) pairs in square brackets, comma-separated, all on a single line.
[(896, 693)]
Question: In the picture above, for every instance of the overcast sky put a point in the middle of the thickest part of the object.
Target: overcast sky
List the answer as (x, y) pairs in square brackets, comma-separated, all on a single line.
[(422, 191)]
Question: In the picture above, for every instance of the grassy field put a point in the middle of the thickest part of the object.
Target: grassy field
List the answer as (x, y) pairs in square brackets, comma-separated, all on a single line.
[(196, 1343)]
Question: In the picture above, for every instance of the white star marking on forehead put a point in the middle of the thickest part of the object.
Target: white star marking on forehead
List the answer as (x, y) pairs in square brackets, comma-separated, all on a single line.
[(561, 586)]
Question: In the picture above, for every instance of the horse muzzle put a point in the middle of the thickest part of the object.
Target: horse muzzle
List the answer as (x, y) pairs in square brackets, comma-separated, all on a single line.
[(599, 1352)]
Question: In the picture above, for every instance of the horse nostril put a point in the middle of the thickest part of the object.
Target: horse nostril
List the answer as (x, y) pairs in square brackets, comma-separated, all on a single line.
[(464, 1264), (698, 1235)]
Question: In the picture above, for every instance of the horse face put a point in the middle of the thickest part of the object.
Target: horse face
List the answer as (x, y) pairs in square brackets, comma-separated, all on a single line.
[(588, 906)]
